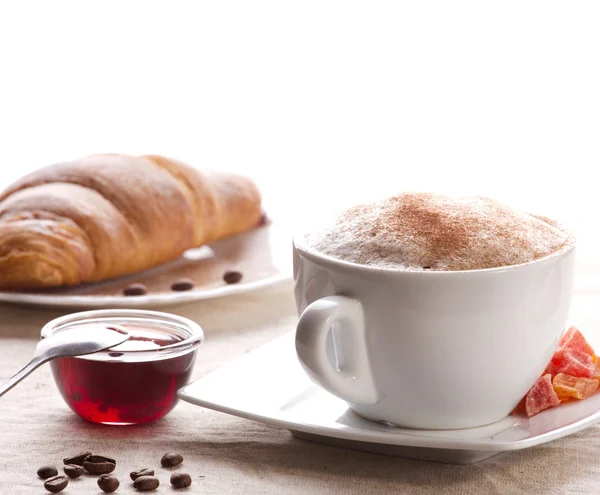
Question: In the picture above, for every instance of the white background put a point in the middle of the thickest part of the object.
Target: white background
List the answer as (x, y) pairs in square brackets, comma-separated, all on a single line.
[(321, 102)]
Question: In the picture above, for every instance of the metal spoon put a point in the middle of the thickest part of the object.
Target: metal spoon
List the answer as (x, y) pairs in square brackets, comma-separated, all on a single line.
[(68, 343)]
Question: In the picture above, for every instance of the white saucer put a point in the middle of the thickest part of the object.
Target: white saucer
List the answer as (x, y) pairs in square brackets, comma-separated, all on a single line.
[(262, 255), (268, 385)]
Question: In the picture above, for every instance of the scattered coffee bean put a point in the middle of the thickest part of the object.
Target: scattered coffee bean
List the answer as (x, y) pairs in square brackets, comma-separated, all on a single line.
[(232, 277), (46, 472), (264, 220), (99, 458), (102, 467), (182, 284), (108, 483), (135, 290), (77, 459), (181, 480), (56, 484), (142, 472), (146, 483), (171, 459), (73, 470)]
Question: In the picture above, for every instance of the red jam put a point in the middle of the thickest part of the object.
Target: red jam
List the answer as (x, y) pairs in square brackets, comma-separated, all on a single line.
[(122, 386)]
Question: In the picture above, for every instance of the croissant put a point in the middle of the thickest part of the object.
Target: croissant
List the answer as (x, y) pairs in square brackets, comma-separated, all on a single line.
[(104, 216)]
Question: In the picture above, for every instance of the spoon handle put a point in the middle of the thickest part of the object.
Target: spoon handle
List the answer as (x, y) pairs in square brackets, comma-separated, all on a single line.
[(22, 373)]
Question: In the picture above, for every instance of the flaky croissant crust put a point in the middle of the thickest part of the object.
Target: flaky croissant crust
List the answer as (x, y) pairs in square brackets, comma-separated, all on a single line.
[(104, 216)]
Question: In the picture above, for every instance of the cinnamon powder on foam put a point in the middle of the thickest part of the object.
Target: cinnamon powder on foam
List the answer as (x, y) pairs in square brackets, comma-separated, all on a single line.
[(416, 231)]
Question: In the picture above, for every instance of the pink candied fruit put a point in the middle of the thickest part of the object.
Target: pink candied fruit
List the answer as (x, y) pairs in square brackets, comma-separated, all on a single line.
[(573, 339), (571, 362), (541, 396)]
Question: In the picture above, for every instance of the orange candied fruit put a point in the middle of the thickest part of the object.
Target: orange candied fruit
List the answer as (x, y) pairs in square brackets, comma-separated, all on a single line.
[(567, 386), (596, 374)]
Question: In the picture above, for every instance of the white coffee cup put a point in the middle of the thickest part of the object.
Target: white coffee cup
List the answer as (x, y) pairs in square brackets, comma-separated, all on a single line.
[(431, 350)]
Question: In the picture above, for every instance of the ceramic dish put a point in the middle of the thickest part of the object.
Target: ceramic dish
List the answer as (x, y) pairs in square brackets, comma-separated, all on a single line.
[(268, 385)]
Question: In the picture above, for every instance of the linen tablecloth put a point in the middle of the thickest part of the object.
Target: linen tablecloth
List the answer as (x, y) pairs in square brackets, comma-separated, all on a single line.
[(225, 454)]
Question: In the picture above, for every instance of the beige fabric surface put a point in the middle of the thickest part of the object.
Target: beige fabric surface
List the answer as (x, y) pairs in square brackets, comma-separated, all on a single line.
[(239, 456)]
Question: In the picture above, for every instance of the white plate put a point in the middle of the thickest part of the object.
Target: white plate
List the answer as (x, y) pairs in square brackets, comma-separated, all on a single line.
[(262, 255), (268, 385)]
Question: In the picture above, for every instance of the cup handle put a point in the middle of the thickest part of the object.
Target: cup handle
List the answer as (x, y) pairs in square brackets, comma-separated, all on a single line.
[(352, 380)]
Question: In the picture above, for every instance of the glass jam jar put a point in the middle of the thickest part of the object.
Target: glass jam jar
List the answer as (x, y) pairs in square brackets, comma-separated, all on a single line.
[(136, 381)]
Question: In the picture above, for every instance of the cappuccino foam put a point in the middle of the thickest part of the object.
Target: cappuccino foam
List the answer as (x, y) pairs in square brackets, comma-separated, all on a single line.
[(426, 231)]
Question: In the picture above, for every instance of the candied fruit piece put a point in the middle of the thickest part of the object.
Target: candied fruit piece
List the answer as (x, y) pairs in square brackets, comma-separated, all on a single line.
[(541, 396), (571, 362), (596, 373), (567, 386), (573, 339)]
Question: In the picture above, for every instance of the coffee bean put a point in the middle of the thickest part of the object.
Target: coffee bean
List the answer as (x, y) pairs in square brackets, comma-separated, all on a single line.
[(99, 467), (232, 277), (146, 483), (181, 480), (142, 472), (73, 470), (46, 472), (182, 284), (135, 290), (171, 459), (77, 459), (264, 220), (108, 483), (56, 484), (99, 458)]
